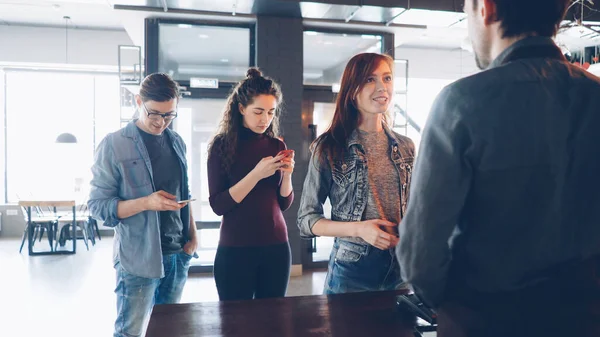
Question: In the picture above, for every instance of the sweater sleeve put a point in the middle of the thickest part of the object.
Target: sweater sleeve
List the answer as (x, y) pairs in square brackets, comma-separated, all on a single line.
[(220, 200)]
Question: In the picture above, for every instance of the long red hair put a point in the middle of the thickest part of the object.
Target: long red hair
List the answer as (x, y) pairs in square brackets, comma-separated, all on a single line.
[(332, 142)]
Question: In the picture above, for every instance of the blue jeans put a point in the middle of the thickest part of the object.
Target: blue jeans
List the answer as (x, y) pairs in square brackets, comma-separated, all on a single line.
[(355, 267), (137, 295)]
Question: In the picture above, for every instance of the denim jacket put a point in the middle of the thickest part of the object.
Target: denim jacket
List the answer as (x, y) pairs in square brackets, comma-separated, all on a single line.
[(122, 171), (346, 182)]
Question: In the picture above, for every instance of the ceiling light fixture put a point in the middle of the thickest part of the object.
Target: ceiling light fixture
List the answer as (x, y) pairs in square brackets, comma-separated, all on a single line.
[(66, 138)]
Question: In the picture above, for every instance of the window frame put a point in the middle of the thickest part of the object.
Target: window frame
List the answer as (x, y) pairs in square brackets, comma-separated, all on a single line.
[(152, 50), (387, 45)]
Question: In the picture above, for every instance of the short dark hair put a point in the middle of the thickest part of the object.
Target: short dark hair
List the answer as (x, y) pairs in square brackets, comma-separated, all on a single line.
[(159, 87), (522, 17)]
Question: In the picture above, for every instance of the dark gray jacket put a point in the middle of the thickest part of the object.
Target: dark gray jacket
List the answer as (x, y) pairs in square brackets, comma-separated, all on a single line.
[(506, 183)]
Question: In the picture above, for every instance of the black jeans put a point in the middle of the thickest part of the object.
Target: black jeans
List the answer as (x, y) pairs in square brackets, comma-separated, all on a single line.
[(243, 273)]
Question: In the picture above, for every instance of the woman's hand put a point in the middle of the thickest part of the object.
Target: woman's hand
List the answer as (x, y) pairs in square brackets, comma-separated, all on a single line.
[(288, 164), (371, 232), (267, 166)]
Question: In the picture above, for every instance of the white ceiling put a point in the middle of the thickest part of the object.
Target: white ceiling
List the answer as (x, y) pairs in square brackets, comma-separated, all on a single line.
[(445, 30), (83, 13)]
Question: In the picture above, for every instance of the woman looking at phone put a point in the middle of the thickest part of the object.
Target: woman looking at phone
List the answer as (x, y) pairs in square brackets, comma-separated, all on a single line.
[(250, 185)]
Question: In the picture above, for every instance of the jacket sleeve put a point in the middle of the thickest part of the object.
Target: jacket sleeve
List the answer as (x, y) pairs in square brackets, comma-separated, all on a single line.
[(440, 184), (315, 191), (104, 189)]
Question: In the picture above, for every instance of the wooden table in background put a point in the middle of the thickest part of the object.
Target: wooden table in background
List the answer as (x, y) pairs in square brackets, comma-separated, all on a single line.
[(54, 204), (368, 314)]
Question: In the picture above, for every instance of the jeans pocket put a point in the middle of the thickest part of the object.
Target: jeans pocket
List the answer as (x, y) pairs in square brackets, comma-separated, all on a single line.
[(349, 252), (350, 270), (185, 258), (186, 254)]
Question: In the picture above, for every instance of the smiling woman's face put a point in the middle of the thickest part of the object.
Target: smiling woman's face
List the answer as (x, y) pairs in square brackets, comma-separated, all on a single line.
[(376, 94)]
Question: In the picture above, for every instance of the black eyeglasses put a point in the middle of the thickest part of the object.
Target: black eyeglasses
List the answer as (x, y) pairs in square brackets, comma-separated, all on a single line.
[(169, 116)]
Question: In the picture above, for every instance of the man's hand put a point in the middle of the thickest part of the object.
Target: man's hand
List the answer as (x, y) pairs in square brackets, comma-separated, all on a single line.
[(191, 246), (162, 201)]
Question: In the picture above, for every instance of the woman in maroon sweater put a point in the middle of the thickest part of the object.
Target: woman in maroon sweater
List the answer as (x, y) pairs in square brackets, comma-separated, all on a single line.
[(250, 184)]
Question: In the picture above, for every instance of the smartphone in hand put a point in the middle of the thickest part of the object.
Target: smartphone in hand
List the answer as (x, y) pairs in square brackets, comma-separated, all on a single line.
[(185, 201), (286, 153)]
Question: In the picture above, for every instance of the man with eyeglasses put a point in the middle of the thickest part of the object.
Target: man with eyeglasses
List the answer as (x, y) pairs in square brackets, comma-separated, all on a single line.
[(139, 174)]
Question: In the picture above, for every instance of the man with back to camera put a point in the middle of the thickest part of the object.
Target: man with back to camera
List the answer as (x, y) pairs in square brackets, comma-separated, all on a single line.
[(502, 233), (139, 174)]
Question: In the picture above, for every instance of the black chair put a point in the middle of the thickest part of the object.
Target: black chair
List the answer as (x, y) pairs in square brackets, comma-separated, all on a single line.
[(41, 223), (82, 221)]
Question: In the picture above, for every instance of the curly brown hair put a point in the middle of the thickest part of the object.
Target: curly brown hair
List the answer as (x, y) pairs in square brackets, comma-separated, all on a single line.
[(225, 143)]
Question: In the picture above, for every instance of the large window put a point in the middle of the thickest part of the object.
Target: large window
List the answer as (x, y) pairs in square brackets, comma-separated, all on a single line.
[(187, 51), (421, 95), (326, 54), (2, 140), (322, 117), (197, 124), (39, 107)]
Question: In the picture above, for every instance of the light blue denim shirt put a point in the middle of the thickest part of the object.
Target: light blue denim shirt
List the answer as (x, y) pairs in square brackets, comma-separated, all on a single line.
[(122, 171), (346, 183)]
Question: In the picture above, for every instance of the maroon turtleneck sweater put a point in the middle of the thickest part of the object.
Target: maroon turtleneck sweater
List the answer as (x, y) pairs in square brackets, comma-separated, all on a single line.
[(258, 219)]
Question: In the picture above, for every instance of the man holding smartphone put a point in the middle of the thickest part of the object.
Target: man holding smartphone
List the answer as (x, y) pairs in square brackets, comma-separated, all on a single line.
[(139, 173)]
